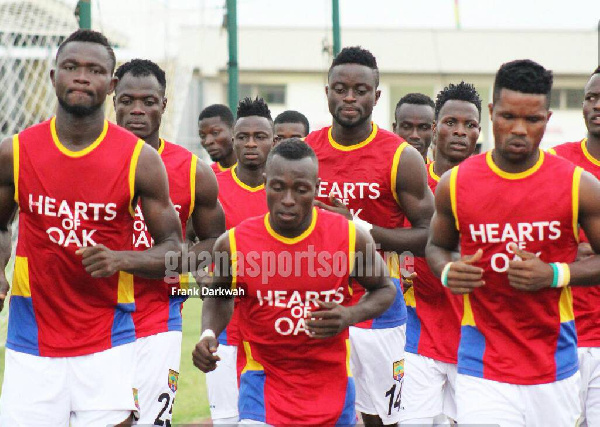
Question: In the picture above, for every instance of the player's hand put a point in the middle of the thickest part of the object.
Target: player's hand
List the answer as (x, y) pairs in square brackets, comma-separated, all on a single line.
[(329, 320), (463, 276), (407, 279), (204, 356), (336, 206), (584, 250), (529, 273), (4, 288), (99, 261)]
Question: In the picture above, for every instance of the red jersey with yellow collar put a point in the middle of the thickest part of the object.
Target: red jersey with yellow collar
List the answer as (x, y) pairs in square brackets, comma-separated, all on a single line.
[(69, 200), (217, 168), (586, 299), (158, 307), (287, 377), (363, 176), (433, 326), (508, 335), (239, 202)]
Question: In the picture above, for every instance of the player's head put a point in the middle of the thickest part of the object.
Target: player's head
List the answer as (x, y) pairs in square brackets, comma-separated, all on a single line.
[(291, 183), (352, 86), (140, 97), (591, 104), (290, 124), (253, 133), (413, 121), (519, 110), (82, 76), (457, 115), (215, 126)]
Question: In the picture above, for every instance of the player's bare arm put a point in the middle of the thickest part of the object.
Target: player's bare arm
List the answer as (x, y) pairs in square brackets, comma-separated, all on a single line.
[(463, 277), (531, 274), (371, 272), (8, 208), (216, 311), (152, 189), (416, 200)]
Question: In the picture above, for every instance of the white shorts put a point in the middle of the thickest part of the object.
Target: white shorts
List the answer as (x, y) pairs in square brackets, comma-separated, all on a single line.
[(485, 401), (156, 376), (377, 364), (87, 391), (589, 366), (428, 390), (222, 384)]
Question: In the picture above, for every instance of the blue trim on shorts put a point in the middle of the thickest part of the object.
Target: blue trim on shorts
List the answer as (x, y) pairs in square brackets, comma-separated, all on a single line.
[(396, 314), (413, 331), (123, 330), (222, 338), (565, 357), (251, 401), (22, 326), (470, 351), (175, 321)]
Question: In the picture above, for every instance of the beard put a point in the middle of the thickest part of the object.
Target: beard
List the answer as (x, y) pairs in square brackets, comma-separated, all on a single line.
[(349, 124), (79, 110)]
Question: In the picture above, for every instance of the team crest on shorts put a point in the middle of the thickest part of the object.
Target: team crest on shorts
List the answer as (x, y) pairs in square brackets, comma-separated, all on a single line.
[(136, 398), (173, 377), (399, 370)]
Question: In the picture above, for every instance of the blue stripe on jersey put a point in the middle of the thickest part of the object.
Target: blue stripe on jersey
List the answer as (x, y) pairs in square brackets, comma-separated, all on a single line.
[(123, 331), (251, 403), (396, 314), (223, 338), (175, 321), (413, 330), (565, 356), (348, 415), (470, 351), (22, 326)]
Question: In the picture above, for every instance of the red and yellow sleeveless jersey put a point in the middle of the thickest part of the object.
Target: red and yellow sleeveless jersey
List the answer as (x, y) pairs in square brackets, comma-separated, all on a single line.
[(287, 377), (508, 335), (158, 308), (217, 168), (433, 325), (239, 202), (586, 299), (363, 176), (69, 200)]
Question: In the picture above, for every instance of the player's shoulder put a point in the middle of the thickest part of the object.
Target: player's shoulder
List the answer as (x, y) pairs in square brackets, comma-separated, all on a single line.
[(317, 136), (37, 130), (124, 136), (566, 148)]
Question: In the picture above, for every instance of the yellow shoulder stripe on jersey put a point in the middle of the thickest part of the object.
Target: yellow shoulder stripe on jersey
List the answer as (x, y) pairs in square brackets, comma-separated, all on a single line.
[(348, 349), (161, 146), (234, 260), (453, 177), (251, 364), (565, 305), (468, 318), (292, 240), (132, 170), (16, 165), (355, 146), (193, 166), (575, 200), (432, 172), (241, 184), (79, 153), (125, 288), (518, 175), (394, 174), (409, 297), (587, 154), (552, 151), (20, 285)]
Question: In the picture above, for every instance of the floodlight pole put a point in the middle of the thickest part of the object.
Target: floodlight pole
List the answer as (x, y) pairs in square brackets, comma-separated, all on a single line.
[(335, 12), (84, 7), (232, 65)]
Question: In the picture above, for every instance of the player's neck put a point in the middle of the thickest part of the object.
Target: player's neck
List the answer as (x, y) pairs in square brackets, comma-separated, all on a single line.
[(442, 164), (78, 131), (228, 161), (351, 135), (153, 141), (593, 145), (290, 234), (250, 177), (509, 167)]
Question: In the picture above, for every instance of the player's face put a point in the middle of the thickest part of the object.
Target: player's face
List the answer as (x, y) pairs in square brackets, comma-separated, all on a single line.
[(457, 130), (82, 77), (289, 130), (291, 186), (519, 121), (252, 140), (139, 104), (591, 105), (414, 124), (351, 94), (216, 137)]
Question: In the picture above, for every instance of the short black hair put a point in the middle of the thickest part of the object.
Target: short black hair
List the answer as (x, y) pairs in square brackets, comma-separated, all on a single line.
[(292, 149), (460, 92), (218, 110), (292, 116), (596, 71), (415, 98), (142, 67), (89, 36), (525, 76), (356, 55), (253, 107)]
